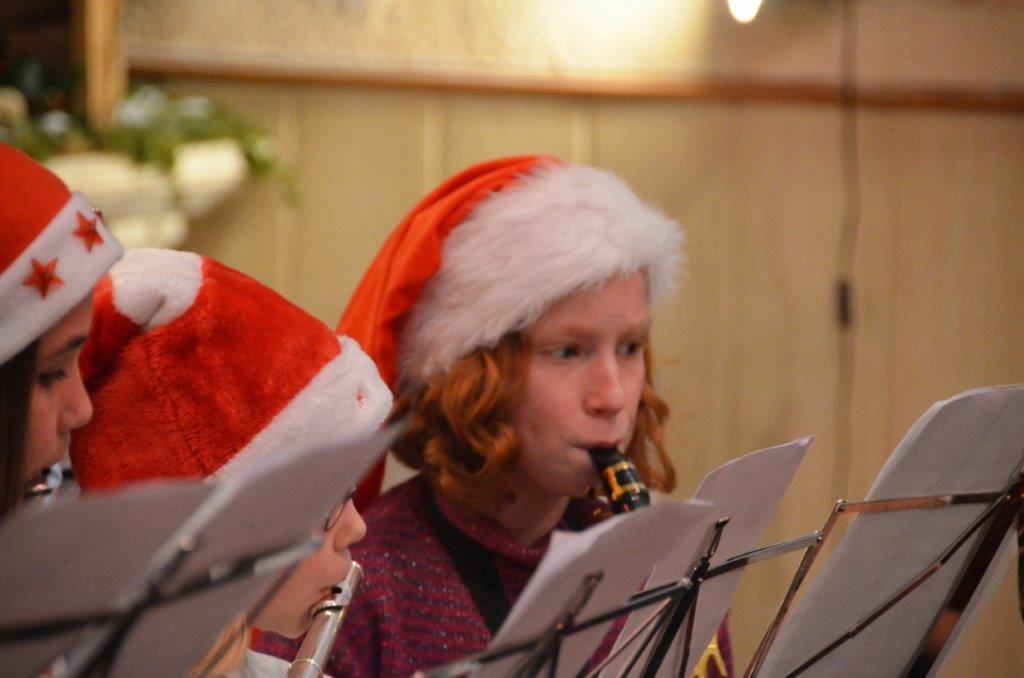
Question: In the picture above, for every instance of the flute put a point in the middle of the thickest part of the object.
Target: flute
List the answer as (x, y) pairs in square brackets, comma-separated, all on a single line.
[(327, 618)]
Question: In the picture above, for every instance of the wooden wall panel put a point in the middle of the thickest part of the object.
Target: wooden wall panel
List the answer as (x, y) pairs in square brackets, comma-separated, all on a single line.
[(360, 162), (478, 127), (254, 230), (939, 269), (940, 281)]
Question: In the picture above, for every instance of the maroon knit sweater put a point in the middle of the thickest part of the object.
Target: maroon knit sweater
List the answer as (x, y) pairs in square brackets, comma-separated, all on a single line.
[(412, 610)]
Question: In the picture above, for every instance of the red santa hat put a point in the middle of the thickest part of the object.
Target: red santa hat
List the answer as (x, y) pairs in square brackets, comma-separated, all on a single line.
[(490, 249), (53, 248), (196, 369)]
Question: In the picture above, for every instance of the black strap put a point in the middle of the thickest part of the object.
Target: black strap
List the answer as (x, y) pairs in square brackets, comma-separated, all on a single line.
[(475, 567)]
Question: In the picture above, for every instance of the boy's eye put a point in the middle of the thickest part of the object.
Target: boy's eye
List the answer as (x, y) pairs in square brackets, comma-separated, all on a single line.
[(48, 379), (631, 347), (566, 352)]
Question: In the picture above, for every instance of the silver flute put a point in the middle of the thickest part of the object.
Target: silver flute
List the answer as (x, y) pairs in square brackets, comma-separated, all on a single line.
[(327, 618)]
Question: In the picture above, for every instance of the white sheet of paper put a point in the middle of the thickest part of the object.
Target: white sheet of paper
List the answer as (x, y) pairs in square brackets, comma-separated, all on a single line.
[(73, 557), (269, 504), (171, 639), (624, 548), (265, 508), (973, 442), (748, 490)]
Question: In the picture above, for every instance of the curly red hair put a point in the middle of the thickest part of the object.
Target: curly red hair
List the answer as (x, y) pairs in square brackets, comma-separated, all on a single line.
[(460, 435)]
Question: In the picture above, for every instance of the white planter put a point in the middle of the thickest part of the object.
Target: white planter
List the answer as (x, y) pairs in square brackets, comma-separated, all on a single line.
[(145, 207), (205, 172)]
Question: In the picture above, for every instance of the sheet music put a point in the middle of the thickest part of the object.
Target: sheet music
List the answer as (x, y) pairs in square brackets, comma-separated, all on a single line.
[(74, 556), (748, 490), (263, 509), (624, 548), (80, 557), (268, 504), (169, 640), (973, 442)]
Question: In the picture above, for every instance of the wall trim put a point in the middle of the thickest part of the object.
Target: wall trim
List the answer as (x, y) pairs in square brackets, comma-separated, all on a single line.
[(1000, 100)]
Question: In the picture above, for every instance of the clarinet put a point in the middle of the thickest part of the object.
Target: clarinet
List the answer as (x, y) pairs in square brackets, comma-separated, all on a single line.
[(622, 484), (327, 618)]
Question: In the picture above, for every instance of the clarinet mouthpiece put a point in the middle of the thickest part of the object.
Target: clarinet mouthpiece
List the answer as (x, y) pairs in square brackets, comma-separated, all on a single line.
[(620, 479)]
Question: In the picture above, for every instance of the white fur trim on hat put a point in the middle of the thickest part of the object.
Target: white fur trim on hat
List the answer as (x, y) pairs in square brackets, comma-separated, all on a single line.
[(25, 313), (559, 230), (345, 399)]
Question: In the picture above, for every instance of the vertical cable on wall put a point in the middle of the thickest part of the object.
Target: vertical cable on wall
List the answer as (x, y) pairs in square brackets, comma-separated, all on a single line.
[(848, 231)]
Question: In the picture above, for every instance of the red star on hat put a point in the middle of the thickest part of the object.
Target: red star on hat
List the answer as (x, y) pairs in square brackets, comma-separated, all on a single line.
[(87, 231), (44, 276)]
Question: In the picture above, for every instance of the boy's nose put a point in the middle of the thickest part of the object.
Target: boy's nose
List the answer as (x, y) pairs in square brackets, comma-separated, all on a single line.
[(605, 395)]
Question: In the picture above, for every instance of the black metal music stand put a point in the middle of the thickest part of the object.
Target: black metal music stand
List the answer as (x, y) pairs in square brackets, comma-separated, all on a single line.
[(994, 523), (676, 604)]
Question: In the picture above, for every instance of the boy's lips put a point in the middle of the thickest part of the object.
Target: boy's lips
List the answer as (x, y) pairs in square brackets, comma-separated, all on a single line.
[(605, 444)]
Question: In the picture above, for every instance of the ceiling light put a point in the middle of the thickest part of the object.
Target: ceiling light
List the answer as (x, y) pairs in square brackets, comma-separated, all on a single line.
[(744, 11)]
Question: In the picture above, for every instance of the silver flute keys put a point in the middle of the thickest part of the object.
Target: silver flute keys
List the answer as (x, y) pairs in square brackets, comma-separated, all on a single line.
[(327, 618)]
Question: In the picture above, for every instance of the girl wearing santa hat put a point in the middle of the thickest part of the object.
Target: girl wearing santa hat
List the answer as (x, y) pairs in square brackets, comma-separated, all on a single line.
[(510, 311), (53, 248), (197, 371)]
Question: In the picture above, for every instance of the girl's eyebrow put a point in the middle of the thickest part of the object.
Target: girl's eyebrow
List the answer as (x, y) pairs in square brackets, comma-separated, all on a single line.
[(70, 345)]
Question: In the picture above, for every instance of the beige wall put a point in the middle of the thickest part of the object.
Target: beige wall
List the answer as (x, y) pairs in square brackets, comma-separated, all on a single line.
[(899, 41), (749, 350)]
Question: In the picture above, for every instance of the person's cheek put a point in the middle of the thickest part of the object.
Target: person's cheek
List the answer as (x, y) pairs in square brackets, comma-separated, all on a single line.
[(291, 604), (42, 440)]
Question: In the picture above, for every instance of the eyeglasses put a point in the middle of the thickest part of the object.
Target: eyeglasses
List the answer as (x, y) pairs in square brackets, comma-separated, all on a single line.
[(335, 514)]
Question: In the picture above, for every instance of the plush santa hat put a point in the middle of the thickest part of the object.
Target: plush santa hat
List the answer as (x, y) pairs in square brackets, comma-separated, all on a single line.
[(489, 250), (53, 248), (196, 369)]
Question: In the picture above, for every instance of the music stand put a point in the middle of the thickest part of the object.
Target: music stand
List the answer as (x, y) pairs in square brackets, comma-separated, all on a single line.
[(540, 651), (677, 602), (920, 556), (45, 549), (583, 572), (748, 489), (994, 524), (228, 551)]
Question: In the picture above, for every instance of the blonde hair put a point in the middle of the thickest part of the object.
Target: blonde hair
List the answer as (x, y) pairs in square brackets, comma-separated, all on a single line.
[(227, 653), (460, 434)]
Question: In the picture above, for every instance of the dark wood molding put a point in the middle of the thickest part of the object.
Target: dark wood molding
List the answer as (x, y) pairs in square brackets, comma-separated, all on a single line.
[(1008, 100)]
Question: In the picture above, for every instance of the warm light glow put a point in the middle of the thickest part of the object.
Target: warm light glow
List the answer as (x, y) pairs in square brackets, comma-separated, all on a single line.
[(744, 11), (607, 37)]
